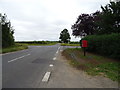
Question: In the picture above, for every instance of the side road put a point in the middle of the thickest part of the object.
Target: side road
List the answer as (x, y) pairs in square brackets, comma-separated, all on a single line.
[(65, 76)]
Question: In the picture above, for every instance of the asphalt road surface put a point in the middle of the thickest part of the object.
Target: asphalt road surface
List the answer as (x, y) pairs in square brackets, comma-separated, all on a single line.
[(43, 67)]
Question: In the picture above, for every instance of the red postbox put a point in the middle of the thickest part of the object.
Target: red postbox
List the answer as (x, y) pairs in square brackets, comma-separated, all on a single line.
[(84, 43)]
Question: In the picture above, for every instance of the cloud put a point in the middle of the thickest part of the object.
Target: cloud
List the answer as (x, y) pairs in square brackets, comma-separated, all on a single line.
[(45, 19)]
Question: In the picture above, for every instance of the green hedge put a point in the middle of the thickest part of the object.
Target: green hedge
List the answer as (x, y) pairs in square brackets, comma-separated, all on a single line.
[(108, 45)]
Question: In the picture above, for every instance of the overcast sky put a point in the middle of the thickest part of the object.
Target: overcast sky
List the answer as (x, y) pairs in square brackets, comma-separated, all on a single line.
[(45, 19)]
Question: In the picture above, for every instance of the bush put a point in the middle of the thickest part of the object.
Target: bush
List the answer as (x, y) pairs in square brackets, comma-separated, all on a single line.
[(108, 45)]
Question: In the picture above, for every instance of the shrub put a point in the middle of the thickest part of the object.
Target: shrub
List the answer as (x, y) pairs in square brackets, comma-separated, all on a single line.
[(108, 45)]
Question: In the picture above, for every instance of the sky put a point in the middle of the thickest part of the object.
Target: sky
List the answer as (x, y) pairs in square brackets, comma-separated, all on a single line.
[(45, 19)]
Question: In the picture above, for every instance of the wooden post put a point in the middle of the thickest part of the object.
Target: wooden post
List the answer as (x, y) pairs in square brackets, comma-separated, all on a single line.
[(84, 52)]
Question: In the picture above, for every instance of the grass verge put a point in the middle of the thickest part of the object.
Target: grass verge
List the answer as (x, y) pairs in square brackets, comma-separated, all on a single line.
[(16, 47), (66, 44), (93, 64)]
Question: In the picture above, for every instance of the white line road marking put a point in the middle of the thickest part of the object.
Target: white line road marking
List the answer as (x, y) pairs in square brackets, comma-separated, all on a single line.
[(57, 52), (54, 58), (58, 48), (46, 77), (18, 58), (51, 65)]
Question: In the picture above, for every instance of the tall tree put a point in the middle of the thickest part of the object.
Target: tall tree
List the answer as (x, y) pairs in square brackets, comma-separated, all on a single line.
[(105, 22), (64, 36), (109, 19), (7, 31), (84, 25)]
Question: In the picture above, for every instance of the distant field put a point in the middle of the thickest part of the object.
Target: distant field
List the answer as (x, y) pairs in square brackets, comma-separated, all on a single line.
[(93, 64), (38, 42)]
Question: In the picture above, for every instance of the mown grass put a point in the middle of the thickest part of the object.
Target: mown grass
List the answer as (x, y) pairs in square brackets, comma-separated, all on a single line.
[(66, 44), (93, 64), (109, 70), (16, 47)]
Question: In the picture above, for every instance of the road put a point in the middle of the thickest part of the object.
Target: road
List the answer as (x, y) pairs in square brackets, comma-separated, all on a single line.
[(44, 67)]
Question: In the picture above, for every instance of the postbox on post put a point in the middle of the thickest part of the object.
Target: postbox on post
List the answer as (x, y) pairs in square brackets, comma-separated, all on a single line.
[(84, 45)]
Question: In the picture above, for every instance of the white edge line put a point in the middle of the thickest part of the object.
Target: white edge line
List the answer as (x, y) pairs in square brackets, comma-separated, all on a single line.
[(18, 58), (57, 52), (54, 58), (58, 48), (46, 77), (51, 65)]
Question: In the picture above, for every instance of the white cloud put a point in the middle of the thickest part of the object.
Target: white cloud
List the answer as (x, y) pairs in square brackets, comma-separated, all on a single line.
[(44, 19)]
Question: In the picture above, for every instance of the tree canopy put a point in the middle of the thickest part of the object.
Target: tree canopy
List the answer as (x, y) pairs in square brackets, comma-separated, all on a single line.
[(109, 19), (64, 36), (105, 22), (84, 24), (7, 31)]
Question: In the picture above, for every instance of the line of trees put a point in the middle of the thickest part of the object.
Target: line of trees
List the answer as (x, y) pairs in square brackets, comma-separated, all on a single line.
[(101, 30), (37, 42), (105, 22), (7, 31)]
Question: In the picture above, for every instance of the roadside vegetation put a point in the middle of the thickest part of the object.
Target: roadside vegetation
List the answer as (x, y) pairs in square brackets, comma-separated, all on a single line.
[(107, 45), (101, 30), (7, 31), (15, 47), (93, 64)]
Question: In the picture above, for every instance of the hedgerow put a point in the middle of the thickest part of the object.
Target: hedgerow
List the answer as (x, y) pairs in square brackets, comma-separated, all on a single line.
[(108, 45)]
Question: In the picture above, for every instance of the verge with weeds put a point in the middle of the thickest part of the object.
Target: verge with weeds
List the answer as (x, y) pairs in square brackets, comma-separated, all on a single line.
[(93, 64), (16, 47)]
